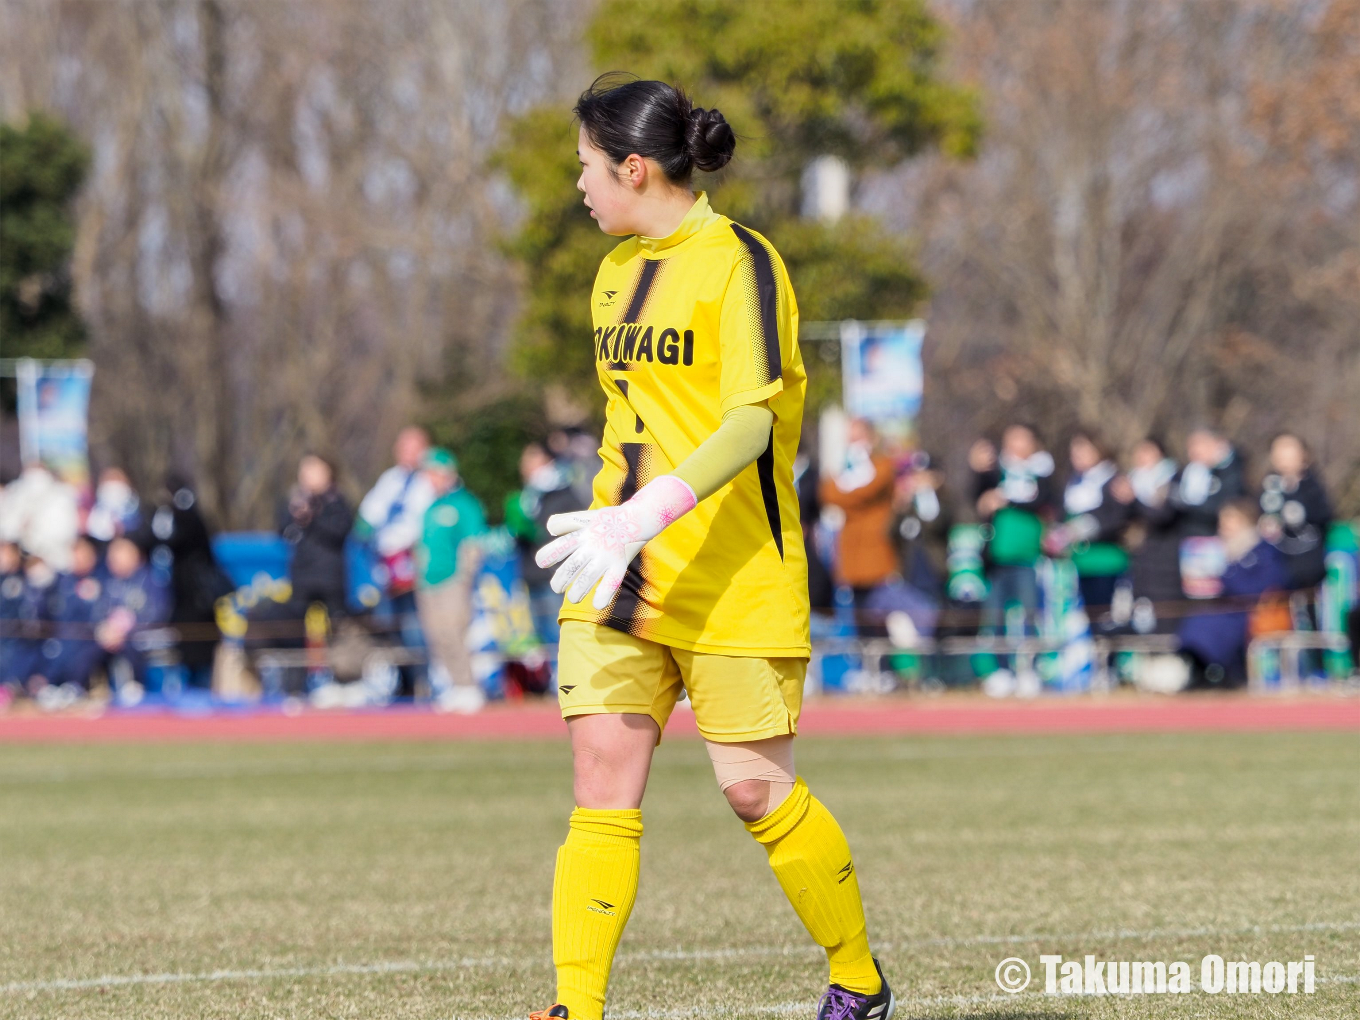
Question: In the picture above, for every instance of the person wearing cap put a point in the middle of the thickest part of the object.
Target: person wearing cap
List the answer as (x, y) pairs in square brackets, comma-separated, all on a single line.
[(447, 560)]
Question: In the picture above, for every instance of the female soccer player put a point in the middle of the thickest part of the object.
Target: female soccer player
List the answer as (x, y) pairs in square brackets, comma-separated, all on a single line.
[(692, 554)]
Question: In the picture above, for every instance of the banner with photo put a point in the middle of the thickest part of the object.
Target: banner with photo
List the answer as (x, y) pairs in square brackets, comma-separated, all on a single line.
[(881, 372), (54, 404)]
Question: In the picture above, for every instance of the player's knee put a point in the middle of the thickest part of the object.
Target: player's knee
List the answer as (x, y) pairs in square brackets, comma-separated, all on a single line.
[(750, 799), (755, 776)]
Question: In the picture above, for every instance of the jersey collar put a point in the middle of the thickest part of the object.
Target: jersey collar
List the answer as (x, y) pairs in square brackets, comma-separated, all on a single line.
[(698, 217)]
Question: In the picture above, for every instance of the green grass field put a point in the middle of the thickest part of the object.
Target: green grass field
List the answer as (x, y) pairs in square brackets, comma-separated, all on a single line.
[(412, 880)]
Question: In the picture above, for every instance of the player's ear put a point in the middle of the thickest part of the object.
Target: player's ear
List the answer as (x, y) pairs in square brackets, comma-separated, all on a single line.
[(634, 171)]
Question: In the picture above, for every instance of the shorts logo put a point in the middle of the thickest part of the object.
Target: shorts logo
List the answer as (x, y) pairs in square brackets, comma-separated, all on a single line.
[(845, 872), (601, 907), (567, 689)]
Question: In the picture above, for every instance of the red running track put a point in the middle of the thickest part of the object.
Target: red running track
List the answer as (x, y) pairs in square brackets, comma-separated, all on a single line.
[(848, 717)]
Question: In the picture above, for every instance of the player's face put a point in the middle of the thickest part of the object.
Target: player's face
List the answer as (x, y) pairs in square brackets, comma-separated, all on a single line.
[(611, 201)]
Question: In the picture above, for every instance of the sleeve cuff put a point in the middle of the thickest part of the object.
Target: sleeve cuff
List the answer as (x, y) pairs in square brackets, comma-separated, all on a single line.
[(750, 396)]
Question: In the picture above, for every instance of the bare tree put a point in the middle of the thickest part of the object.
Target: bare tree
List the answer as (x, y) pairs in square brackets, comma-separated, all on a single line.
[(1300, 338), (288, 239), (290, 234), (1126, 255)]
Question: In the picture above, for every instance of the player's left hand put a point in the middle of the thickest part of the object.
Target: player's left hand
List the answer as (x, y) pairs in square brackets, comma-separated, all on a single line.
[(598, 545)]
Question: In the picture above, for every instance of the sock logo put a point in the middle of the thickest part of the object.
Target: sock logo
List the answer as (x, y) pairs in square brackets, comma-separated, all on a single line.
[(602, 907), (567, 689), (845, 872)]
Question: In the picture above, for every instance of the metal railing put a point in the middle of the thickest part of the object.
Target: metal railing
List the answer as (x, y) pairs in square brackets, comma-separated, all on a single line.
[(1290, 645)]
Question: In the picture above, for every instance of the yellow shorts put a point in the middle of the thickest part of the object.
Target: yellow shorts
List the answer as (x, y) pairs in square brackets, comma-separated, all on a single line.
[(735, 698)]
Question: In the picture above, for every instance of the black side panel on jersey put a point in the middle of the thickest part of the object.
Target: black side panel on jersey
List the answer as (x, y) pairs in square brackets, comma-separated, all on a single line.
[(628, 599), (769, 494), (632, 456), (638, 427), (641, 290), (767, 297)]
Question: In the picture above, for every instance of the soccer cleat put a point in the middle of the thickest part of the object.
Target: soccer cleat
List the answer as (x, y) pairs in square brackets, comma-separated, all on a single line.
[(550, 1012), (841, 1004)]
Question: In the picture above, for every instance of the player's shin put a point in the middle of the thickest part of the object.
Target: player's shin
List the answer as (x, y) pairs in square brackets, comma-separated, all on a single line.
[(811, 859), (593, 892)]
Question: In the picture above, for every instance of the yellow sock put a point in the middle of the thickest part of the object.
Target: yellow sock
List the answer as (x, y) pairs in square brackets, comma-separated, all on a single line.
[(593, 892), (810, 857)]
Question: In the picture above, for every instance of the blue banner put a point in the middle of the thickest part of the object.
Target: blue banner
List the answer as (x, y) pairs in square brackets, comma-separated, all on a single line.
[(54, 404), (881, 371)]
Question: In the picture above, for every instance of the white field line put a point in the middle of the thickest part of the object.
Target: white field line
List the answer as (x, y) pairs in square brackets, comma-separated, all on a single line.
[(646, 956), (393, 967)]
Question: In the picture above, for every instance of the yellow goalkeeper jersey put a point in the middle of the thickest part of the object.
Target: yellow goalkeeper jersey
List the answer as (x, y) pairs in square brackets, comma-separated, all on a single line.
[(687, 327)]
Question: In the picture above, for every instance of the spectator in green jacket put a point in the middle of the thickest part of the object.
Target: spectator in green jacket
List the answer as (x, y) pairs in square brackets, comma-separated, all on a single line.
[(447, 561), (547, 491), (1014, 494)]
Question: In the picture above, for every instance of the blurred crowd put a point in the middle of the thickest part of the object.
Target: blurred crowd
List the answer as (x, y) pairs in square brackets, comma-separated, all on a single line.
[(87, 590), (1146, 542), (91, 594)]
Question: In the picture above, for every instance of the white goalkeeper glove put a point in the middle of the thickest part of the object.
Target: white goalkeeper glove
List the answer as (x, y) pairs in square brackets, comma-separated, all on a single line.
[(599, 544)]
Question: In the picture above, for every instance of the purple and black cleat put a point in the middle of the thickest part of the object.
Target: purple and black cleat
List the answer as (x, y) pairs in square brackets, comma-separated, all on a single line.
[(840, 1004)]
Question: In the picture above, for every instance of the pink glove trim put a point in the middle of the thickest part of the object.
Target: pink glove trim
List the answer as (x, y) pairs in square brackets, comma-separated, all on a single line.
[(674, 498)]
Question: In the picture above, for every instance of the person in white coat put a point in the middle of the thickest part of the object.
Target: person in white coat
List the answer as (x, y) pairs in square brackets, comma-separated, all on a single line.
[(390, 520), (41, 513)]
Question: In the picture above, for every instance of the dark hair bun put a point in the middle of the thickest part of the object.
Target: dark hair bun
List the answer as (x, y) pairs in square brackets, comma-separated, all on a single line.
[(623, 115), (709, 139)]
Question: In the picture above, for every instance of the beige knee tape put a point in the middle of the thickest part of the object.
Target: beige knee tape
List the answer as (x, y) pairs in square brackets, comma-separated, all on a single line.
[(770, 761)]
